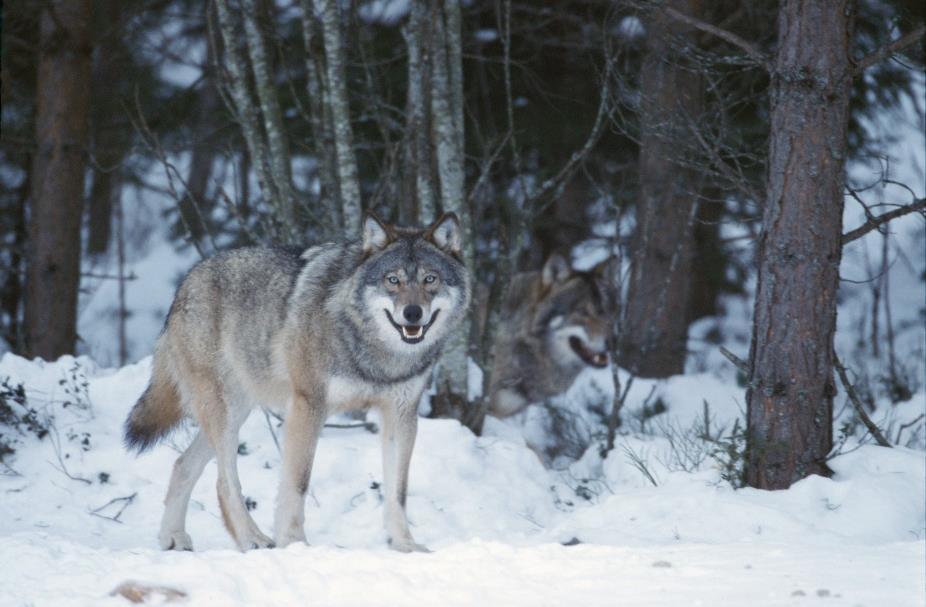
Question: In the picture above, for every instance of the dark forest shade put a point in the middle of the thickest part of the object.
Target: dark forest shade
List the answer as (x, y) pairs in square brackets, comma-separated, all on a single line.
[(790, 400), (63, 99)]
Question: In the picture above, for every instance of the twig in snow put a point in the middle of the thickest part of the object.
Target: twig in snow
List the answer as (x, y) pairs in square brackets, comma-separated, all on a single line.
[(126, 501), (272, 431), (56, 445), (857, 403), (903, 427)]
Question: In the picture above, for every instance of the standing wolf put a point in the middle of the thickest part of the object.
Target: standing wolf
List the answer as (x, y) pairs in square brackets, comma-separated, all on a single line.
[(557, 322), (339, 327)]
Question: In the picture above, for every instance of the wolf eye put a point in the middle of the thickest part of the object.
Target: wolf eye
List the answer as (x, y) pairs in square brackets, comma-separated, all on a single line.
[(430, 278), (393, 280)]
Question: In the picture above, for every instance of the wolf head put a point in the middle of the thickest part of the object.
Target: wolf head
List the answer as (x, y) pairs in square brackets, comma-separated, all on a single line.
[(572, 315), (414, 285)]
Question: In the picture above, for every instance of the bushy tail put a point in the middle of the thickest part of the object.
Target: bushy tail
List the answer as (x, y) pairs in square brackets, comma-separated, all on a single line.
[(155, 414)]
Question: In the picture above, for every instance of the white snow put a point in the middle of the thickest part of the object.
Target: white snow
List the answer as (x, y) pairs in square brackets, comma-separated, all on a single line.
[(494, 516)]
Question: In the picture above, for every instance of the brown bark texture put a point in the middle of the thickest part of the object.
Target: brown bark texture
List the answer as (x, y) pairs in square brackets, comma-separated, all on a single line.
[(63, 96), (791, 385), (656, 315)]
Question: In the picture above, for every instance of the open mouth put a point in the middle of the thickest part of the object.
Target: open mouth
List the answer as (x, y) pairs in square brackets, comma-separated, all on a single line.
[(412, 334), (588, 356)]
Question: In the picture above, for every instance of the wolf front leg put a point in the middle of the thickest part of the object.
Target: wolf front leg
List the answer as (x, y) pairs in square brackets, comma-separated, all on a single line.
[(400, 426), (303, 426)]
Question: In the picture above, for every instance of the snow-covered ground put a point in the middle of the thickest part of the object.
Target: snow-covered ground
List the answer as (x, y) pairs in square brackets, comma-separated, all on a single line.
[(648, 525)]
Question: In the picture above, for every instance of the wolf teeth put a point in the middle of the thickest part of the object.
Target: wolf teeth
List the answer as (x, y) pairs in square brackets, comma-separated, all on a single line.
[(411, 331)]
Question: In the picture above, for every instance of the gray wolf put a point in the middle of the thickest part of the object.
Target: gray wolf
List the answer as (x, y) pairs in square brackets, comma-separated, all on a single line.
[(555, 323), (339, 327)]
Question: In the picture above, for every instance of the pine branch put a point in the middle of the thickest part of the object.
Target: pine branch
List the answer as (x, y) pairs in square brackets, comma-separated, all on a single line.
[(754, 53), (889, 49), (876, 222)]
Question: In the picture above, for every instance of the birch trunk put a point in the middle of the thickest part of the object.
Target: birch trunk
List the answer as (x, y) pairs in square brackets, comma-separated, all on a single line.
[(280, 170), (339, 108), (418, 148), (791, 386), (321, 123), (448, 136), (244, 108)]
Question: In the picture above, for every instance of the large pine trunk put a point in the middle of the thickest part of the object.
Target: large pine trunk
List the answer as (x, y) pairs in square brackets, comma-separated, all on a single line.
[(63, 98), (656, 321), (790, 400)]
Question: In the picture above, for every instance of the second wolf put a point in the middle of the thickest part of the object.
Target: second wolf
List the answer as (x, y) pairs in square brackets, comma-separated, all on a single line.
[(557, 322), (338, 327)]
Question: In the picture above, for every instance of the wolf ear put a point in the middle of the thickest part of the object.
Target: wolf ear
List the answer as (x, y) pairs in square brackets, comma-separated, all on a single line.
[(446, 234), (376, 234), (555, 270)]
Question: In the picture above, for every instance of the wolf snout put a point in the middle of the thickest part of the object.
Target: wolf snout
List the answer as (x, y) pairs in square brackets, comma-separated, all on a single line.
[(413, 313)]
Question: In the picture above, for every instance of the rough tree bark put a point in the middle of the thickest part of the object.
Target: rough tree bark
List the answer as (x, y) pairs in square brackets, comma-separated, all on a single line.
[(447, 133), (420, 205), (339, 109), (656, 320), (791, 385), (245, 110), (321, 121), (277, 146), (63, 100)]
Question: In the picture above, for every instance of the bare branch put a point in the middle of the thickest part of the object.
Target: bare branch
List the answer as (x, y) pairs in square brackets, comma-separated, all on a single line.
[(126, 502), (754, 53), (876, 222), (857, 403), (553, 184), (738, 362), (889, 49)]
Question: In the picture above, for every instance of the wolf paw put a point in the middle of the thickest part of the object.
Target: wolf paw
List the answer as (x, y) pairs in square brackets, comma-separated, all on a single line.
[(255, 541), (407, 546), (176, 540), (290, 537)]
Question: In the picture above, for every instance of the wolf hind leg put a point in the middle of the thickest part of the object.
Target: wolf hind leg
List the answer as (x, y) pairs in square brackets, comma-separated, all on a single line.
[(187, 470), (400, 427), (303, 427), (221, 423)]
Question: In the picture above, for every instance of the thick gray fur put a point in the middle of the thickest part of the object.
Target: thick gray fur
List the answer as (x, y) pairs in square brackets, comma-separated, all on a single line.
[(308, 334)]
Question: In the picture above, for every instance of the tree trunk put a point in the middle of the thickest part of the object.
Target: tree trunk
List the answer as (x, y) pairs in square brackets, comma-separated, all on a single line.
[(418, 169), (277, 145), (63, 99), (339, 108), (708, 262), (109, 142), (790, 399), (656, 321), (243, 105), (447, 132), (321, 121), (196, 206)]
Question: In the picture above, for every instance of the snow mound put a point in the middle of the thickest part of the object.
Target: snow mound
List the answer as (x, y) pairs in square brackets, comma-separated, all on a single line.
[(80, 516)]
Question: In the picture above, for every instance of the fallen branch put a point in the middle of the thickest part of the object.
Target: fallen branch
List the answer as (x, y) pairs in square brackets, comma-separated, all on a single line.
[(857, 403), (876, 222), (126, 501), (909, 424)]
